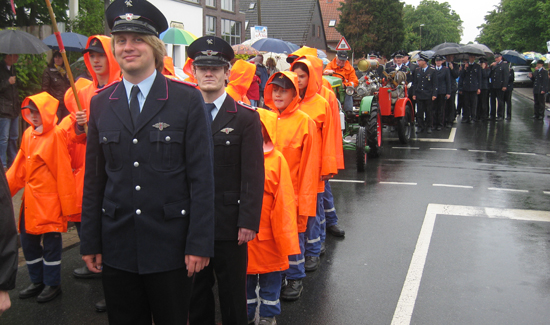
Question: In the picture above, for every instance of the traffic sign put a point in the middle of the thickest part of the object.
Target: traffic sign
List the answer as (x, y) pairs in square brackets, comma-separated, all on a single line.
[(343, 45)]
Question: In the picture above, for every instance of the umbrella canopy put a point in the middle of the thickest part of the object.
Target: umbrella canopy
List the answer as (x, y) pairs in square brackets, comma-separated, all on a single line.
[(445, 45), (19, 42), (280, 60), (429, 54), (486, 50), (321, 54), (533, 56), (467, 50), (274, 45), (72, 41), (513, 57), (177, 36), (245, 49)]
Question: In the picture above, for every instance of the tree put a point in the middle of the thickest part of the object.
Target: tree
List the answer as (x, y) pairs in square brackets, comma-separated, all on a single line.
[(372, 25), (31, 13), (90, 19), (440, 24)]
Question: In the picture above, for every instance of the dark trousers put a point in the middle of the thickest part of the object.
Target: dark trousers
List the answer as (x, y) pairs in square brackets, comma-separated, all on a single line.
[(508, 101), (470, 105), (539, 105), (43, 261), (493, 103), (424, 107), (143, 298), (450, 108), (229, 268), (483, 104), (439, 110), (499, 93), (460, 104)]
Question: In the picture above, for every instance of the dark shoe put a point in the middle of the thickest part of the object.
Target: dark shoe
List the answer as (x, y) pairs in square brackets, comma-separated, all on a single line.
[(49, 293), (336, 230), (438, 128), (33, 290), (84, 273), (292, 290), (101, 306), (323, 248), (267, 321), (312, 263), (419, 130), (429, 131)]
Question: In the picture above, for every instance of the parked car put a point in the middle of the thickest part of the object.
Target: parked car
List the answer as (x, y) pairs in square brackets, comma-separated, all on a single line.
[(522, 75)]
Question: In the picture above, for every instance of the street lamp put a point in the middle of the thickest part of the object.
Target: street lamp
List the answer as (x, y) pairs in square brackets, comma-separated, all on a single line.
[(421, 36)]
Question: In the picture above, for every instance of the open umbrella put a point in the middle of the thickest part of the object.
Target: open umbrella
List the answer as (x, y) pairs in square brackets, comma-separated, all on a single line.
[(533, 56), (467, 50), (513, 57), (429, 54), (484, 48), (177, 36), (321, 54), (445, 45), (19, 42), (72, 41), (280, 60), (274, 45), (244, 49)]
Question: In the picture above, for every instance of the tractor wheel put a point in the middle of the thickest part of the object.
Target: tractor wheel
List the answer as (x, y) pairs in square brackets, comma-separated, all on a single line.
[(405, 126), (374, 134), (360, 149)]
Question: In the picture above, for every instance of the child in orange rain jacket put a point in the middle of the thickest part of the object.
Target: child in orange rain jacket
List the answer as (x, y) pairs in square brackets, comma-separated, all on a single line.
[(240, 77), (43, 168), (319, 110), (278, 236), (296, 140)]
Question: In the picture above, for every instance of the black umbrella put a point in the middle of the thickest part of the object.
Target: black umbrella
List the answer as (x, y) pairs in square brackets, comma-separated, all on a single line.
[(445, 45), (19, 42), (467, 50), (72, 41), (513, 57)]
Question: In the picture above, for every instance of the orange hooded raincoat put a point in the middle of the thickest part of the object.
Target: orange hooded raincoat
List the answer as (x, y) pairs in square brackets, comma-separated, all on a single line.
[(168, 70), (347, 71), (188, 70), (296, 140), (278, 235), (319, 110), (43, 167), (240, 79)]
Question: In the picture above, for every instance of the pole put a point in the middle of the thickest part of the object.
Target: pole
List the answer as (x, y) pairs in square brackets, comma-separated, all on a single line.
[(421, 36), (259, 13)]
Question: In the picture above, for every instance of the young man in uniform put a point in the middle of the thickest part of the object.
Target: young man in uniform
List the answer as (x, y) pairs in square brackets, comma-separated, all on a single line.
[(443, 82), (147, 210), (424, 91), (471, 87), (239, 178), (540, 86), (500, 73)]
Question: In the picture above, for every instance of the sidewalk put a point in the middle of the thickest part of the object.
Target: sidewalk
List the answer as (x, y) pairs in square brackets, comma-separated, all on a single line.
[(527, 93)]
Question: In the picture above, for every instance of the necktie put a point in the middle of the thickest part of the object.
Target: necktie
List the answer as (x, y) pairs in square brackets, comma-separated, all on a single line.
[(210, 107), (134, 104)]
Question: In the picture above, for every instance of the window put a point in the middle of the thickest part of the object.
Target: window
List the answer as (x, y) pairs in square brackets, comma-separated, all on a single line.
[(332, 23), (210, 26), (210, 3), (251, 6), (194, 1), (231, 31), (227, 5)]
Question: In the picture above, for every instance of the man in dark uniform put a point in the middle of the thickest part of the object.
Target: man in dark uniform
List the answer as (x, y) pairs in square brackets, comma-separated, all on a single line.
[(239, 179), (8, 244), (499, 81), (147, 210), (443, 84), (471, 83), (424, 91), (450, 104), (483, 97), (508, 93), (540, 87)]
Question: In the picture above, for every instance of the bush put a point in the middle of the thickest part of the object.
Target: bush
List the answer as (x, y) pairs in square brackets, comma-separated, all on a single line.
[(29, 74)]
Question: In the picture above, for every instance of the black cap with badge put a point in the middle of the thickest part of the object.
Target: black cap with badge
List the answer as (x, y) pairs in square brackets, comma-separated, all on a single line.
[(210, 51), (135, 16), (31, 105), (422, 56), (342, 55), (282, 81), (94, 46)]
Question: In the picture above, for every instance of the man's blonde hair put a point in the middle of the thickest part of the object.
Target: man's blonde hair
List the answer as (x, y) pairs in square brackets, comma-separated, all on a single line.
[(159, 51)]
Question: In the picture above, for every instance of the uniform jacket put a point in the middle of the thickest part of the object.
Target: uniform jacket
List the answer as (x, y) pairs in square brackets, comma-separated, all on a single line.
[(424, 84), (511, 79), (485, 74), (149, 189), (540, 81), (8, 238), (471, 77), (240, 78), (443, 80), (43, 167), (9, 95), (296, 133), (500, 73), (455, 73), (55, 83), (347, 71), (319, 110), (238, 169), (411, 67), (278, 235)]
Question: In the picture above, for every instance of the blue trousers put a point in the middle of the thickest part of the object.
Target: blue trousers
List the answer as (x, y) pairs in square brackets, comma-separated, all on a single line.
[(314, 230), (43, 262), (9, 132), (328, 204), (297, 270), (270, 289)]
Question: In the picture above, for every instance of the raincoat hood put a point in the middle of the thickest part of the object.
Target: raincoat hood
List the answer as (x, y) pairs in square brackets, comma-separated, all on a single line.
[(69, 101), (47, 107), (269, 122), (114, 69), (305, 50), (240, 79), (188, 70), (268, 95), (168, 69), (314, 81)]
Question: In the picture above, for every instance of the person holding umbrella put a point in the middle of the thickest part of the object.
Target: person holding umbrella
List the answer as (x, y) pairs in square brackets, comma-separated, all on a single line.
[(9, 110), (540, 86), (499, 76), (56, 82)]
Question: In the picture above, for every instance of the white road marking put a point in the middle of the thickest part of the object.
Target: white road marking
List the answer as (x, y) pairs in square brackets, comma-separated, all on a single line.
[(546, 192), (522, 153), (346, 181), (412, 148), (398, 183), (405, 305), (447, 149), (450, 185), (450, 139), (483, 151), (507, 190)]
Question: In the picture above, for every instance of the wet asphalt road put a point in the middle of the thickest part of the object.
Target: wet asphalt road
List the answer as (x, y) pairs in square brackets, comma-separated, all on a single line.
[(446, 230)]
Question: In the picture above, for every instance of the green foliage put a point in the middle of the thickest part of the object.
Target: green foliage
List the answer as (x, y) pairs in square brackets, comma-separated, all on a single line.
[(90, 18), (242, 56), (372, 25), (441, 24), (29, 74), (32, 12)]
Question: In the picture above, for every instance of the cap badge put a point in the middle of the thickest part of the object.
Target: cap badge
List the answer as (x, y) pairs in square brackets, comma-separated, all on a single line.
[(210, 41), (128, 3), (94, 43), (227, 130), (209, 52), (129, 16), (161, 125), (281, 76)]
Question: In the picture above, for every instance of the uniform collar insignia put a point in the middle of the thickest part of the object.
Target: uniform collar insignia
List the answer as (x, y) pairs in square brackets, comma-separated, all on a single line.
[(161, 125), (209, 41), (128, 3), (227, 130)]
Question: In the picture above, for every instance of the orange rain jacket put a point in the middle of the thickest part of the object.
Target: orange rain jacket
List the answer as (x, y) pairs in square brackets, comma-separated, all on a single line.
[(347, 71), (168, 70), (43, 167), (319, 110), (296, 134), (278, 235), (240, 78), (188, 70)]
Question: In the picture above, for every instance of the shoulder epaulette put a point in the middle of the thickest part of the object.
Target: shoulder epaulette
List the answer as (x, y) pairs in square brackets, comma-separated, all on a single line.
[(106, 86), (245, 105), (187, 83)]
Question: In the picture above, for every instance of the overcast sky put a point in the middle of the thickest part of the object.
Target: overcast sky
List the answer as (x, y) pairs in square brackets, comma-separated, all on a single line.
[(472, 13)]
